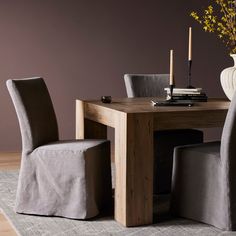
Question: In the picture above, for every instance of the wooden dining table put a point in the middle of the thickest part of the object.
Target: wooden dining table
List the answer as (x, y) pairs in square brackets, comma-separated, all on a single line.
[(134, 121)]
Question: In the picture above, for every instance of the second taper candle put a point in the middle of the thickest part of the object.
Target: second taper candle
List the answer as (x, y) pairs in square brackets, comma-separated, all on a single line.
[(190, 44), (171, 67)]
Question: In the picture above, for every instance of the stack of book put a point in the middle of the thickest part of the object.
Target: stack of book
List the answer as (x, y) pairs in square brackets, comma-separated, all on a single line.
[(193, 94)]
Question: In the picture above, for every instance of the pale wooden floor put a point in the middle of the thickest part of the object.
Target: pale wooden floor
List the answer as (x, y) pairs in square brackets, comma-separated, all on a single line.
[(8, 161)]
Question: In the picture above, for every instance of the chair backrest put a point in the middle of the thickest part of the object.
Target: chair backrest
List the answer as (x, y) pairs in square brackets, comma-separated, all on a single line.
[(228, 156), (228, 142), (35, 112), (146, 85)]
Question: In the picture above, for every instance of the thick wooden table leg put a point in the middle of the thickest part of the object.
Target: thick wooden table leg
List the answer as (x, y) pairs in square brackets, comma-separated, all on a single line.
[(79, 119), (134, 169)]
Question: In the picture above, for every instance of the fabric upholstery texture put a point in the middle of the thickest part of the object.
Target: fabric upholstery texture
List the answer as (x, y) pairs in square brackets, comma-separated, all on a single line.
[(152, 85), (146, 85), (203, 179), (70, 178)]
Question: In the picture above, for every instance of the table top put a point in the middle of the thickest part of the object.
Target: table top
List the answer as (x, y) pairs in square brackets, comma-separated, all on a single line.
[(144, 105)]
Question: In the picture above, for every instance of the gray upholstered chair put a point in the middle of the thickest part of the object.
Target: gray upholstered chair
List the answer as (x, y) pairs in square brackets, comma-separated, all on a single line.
[(204, 178), (152, 85), (62, 178)]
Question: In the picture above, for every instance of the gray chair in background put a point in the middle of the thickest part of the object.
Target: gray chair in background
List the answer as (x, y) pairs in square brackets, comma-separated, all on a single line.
[(152, 85), (61, 178), (204, 178)]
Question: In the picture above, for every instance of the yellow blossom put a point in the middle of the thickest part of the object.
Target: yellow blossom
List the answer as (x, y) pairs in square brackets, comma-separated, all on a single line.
[(219, 18)]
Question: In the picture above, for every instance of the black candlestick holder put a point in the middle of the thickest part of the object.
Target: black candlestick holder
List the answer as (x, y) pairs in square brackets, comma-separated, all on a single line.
[(190, 74), (171, 92)]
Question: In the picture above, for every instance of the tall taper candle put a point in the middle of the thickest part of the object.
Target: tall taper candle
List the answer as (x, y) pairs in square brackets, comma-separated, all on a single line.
[(171, 67), (190, 44)]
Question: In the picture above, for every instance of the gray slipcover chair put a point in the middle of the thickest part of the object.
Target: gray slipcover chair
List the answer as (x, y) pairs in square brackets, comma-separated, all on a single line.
[(57, 178), (204, 178), (152, 85)]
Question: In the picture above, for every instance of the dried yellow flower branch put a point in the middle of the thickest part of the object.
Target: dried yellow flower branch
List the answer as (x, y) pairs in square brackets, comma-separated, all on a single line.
[(220, 19)]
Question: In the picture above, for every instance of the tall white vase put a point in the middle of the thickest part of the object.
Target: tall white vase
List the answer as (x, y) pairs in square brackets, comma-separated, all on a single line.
[(228, 79)]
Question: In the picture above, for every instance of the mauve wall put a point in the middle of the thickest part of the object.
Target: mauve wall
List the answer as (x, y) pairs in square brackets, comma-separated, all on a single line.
[(83, 47)]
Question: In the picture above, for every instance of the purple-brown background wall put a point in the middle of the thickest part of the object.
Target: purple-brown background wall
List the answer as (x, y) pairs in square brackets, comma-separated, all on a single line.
[(83, 47)]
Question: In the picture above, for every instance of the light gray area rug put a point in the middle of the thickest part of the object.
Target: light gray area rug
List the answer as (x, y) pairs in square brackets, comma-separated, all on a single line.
[(27, 225)]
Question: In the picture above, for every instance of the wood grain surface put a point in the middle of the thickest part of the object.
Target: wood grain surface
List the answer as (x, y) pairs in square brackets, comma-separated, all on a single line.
[(135, 120)]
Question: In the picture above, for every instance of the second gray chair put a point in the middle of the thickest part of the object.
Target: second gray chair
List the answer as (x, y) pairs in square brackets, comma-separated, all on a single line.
[(60, 178), (204, 178), (152, 85)]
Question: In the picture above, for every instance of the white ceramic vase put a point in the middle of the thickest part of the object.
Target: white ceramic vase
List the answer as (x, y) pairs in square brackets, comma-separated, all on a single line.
[(228, 79)]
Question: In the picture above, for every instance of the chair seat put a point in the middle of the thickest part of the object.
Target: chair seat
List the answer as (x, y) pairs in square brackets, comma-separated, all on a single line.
[(71, 145), (204, 149), (196, 183), (64, 172)]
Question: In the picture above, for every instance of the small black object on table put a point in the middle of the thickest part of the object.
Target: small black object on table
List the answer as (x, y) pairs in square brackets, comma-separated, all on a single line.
[(106, 99)]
